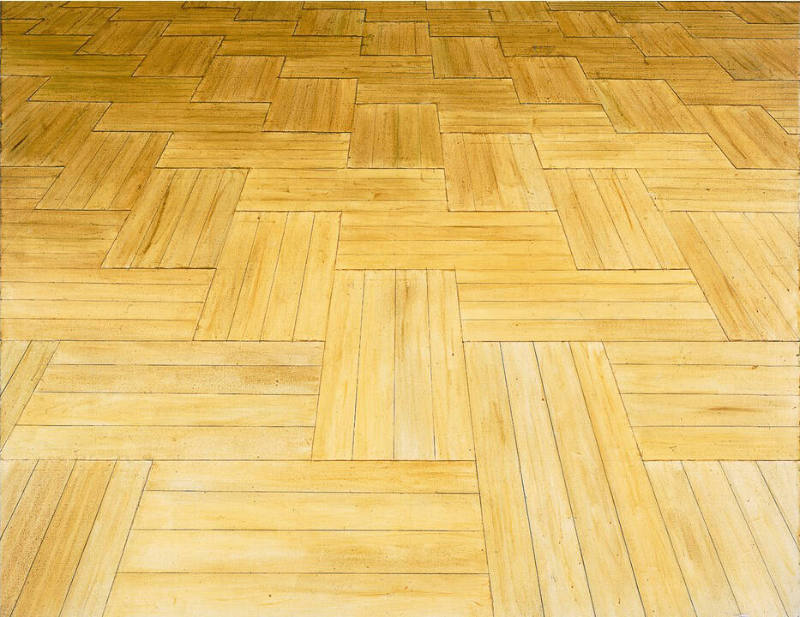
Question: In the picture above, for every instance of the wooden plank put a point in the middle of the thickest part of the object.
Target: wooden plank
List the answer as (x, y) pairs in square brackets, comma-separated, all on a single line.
[(453, 552), (691, 541), (559, 562), (413, 413), (326, 595), (316, 476), (451, 416), (164, 442), (308, 511), (605, 555), (752, 586), (512, 567), (269, 149), (233, 117), (25, 529), (52, 571), (94, 575), (395, 136), (718, 443), (333, 435), (373, 432)]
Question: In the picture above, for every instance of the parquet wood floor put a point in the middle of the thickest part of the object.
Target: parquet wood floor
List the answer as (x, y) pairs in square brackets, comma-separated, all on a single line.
[(402, 309)]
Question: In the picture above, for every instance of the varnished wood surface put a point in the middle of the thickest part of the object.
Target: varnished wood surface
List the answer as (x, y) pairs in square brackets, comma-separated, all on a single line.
[(444, 309)]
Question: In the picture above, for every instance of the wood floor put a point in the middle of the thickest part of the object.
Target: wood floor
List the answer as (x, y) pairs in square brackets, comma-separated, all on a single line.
[(399, 309)]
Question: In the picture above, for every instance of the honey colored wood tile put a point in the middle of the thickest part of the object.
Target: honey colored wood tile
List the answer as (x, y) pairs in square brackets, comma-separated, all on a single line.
[(235, 79), (396, 39), (106, 173), (314, 105), (611, 221), (344, 189), (268, 150), (494, 172), (468, 57), (551, 80), (588, 23), (395, 136), (122, 38), (748, 136), (271, 252), (334, 22), (179, 56), (407, 324), (622, 99)]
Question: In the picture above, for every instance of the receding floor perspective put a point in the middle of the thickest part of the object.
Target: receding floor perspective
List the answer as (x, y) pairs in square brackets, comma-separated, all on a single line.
[(399, 309)]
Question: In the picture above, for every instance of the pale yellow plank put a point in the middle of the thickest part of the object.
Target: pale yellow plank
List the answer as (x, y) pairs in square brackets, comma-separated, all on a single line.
[(559, 562), (331, 476), (312, 312), (608, 567), (324, 595), (26, 528), (694, 548), (414, 427), (284, 298), (95, 572), (373, 433), (744, 566), (333, 435), (512, 567), (52, 571), (163, 442), (451, 417), (658, 576), (718, 442), (305, 551), (307, 511)]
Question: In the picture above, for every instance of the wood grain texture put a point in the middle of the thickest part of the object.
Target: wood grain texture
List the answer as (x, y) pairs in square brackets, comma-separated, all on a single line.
[(452, 309)]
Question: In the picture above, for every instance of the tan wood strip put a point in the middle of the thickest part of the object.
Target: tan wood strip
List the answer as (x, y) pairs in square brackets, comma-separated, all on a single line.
[(23, 382), (308, 511), (455, 552), (373, 433), (657, 573), (94, 575), (512, 565), (52, 571), (24, 531), (326, 595), (555, 542), (333, 435), (316, 476), (752, 586), (691, 541)]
